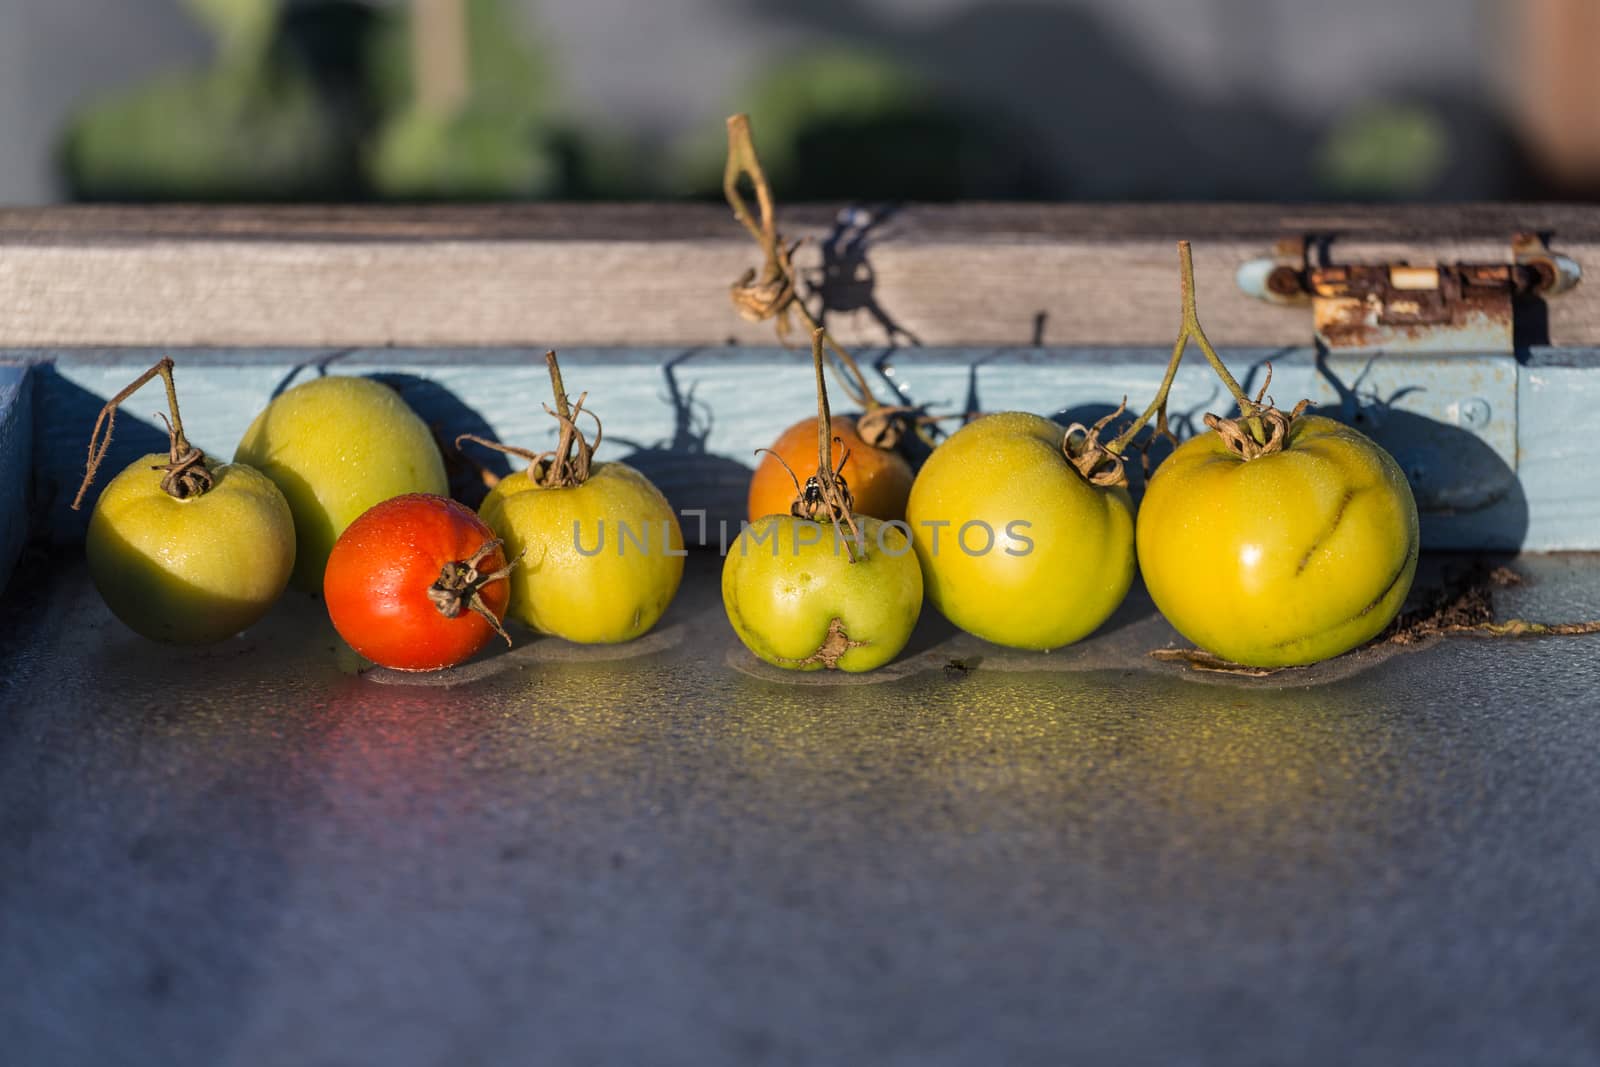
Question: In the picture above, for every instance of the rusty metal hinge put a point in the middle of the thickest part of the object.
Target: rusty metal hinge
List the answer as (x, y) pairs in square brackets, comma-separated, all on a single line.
[(1398, 307)]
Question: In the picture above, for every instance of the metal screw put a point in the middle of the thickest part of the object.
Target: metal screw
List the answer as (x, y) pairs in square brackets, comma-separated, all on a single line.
[(1473, 413)]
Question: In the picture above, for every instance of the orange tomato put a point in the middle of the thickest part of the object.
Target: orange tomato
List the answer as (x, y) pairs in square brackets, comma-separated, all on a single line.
[(879, 479)]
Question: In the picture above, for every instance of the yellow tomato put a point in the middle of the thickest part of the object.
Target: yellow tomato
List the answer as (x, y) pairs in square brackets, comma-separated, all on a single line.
[(194, 570), (1016, 546), (336, 446), (796, 600), (1288, 558), (600, 561)]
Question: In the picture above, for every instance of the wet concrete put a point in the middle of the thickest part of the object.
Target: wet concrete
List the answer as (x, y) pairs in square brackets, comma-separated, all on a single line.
[(257, 854)]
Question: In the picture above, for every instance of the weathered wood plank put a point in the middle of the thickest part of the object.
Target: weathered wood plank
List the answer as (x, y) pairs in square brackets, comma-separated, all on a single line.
[(97, 223), (654, 275), (1556, 427)]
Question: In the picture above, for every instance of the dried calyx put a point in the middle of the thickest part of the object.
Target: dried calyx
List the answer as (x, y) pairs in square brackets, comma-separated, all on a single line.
[(1261, 429), (184, 475), (825, 497), (570, 463), (1098, 464), (461, 584)]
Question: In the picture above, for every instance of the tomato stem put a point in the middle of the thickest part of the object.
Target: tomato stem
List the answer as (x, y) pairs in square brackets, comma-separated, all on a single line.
[(572, 460), (511, 450), (772, 292), (573, 457), (556, 385), (185, 475), (1190, 329), (826, 493), (461, 585)]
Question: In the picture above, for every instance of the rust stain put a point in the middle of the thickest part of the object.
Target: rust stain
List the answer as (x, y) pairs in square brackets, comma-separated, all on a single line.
[(1285, 281), (1361, 306), (1444, 307)]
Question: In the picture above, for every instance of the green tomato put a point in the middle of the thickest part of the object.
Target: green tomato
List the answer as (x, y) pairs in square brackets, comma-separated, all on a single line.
[(1285, 559), (336, 446), (599, 562), (796, 600), (195, 570), (1016, 546)]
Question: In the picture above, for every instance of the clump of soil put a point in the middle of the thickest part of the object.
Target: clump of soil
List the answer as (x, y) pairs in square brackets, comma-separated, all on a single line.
[(1465, 602)]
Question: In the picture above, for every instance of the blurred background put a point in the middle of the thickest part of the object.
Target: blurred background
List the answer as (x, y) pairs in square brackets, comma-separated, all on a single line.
[(334, 100)]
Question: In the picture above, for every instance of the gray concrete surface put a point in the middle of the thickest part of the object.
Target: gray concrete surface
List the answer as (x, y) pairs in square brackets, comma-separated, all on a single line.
[(251, 854)]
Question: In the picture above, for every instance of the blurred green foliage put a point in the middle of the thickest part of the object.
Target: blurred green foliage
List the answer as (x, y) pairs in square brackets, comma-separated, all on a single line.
[(497, 146), (1384, 150), (252, 126), (318, 101), (205, 137), (478, 154)]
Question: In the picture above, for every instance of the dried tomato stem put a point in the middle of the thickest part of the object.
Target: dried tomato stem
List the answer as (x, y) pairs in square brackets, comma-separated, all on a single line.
[(1524, 628), (1190, 329), (186, 474), (772, 293), (855, 384), (742, 162), (573, 457), (826, 492), (1159, 405), (180, 443), (824, 416), (461, 585), (572, 460), (556, 386), (511, 450), (1191, 324)]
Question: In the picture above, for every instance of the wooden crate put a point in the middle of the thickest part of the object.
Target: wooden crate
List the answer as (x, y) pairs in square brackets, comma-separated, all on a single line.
[(1061, 309)]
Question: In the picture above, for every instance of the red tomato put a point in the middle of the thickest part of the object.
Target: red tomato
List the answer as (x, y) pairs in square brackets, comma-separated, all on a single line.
[(406, 581)]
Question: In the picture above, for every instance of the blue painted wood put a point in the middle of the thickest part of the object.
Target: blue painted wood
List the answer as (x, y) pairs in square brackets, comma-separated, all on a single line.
[(16, 462), (1489, 443), (1558, 421)]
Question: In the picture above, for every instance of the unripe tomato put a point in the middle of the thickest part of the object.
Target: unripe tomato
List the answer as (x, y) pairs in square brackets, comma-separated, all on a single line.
[(1016, 546), (601, 561), (796, 600), (408, 583), (1284, 559), (879, 478), (193, 570), (336, 446)]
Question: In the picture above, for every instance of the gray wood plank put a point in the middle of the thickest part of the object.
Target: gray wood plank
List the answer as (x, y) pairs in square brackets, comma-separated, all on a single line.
[(657, 275)]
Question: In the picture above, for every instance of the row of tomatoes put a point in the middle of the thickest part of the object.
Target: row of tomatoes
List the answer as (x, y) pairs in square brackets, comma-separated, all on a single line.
[(338, 487), (1283, 558)]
